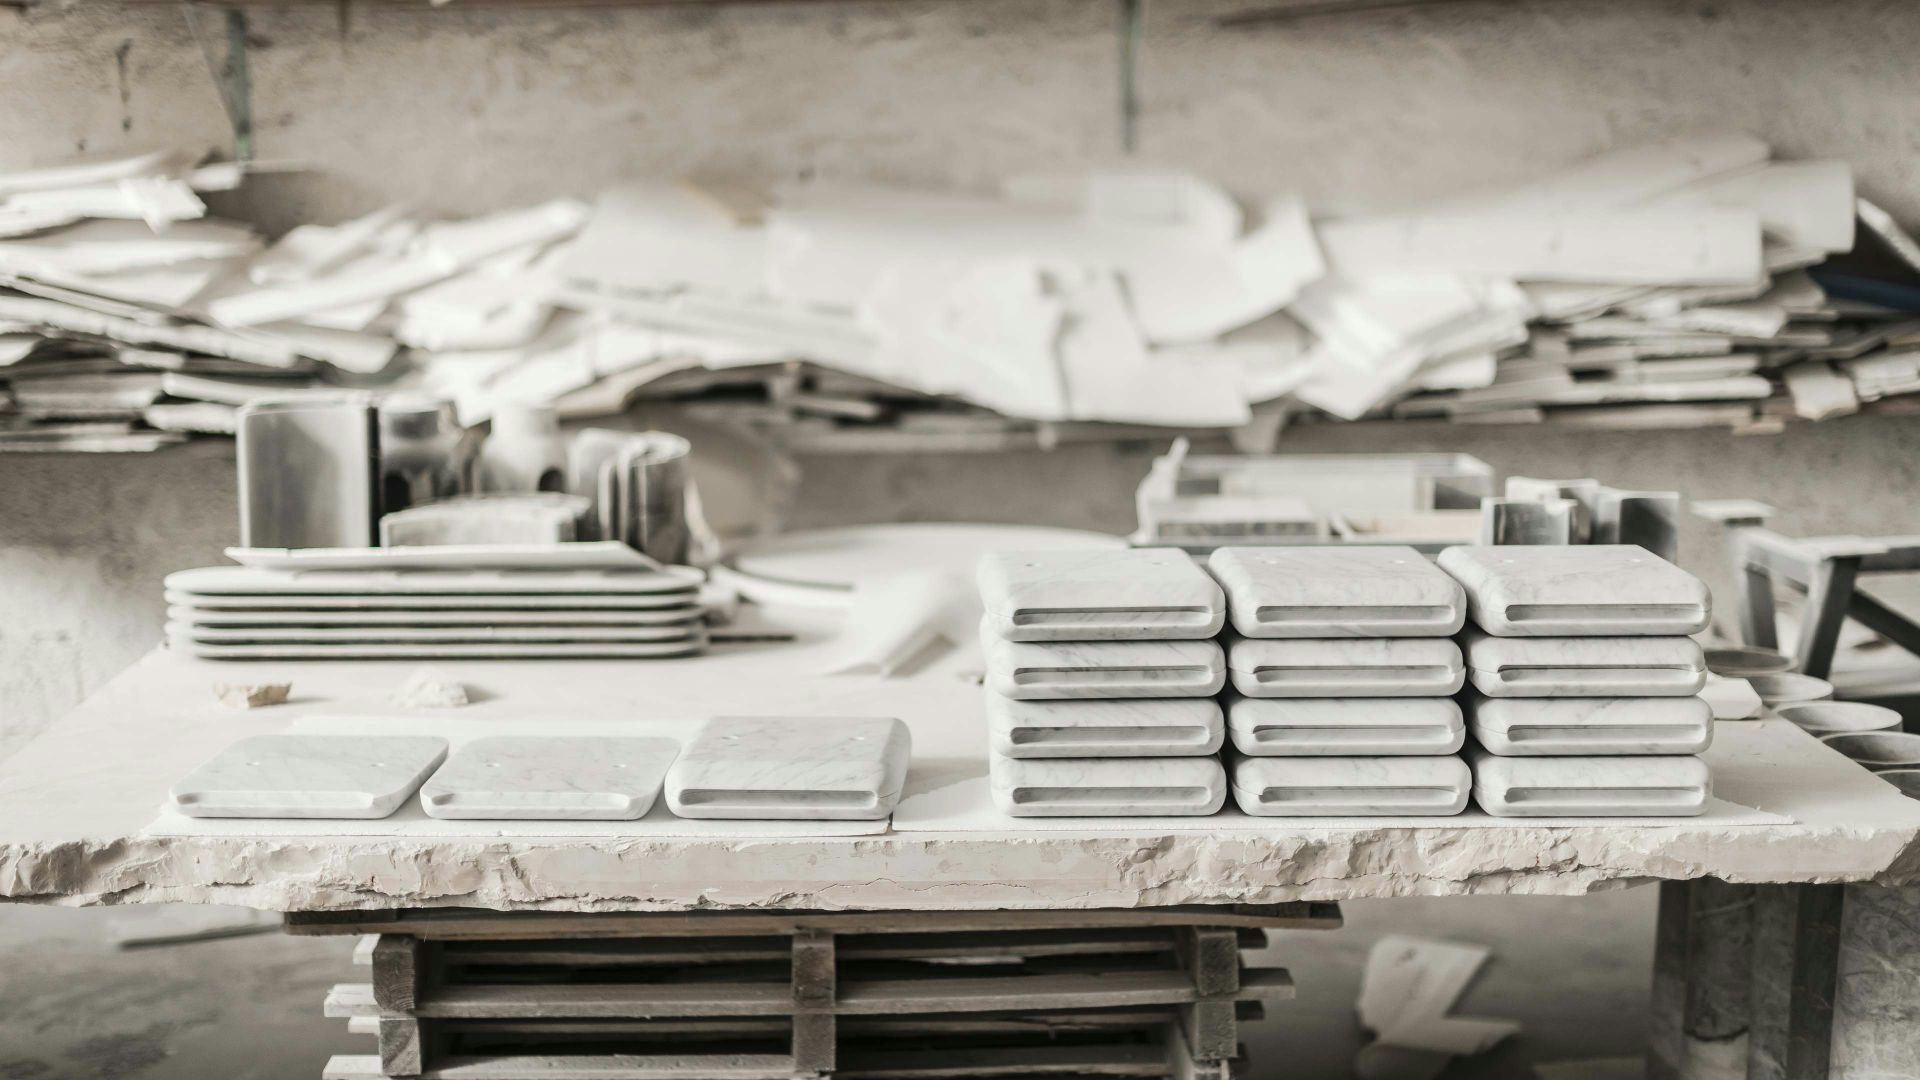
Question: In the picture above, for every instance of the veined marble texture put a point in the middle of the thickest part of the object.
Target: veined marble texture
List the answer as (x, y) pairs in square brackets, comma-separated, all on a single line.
[(791, 768), (1673, 786), (1130, 594), (562, 778), (1058, 670), (1142, 727), (1350, 786), (1570, 590), (1589, 726), (1345, 667), (1336, 591), (210, 581), (1584, 666), (309, 776), (1108, 787), (1345, 727)]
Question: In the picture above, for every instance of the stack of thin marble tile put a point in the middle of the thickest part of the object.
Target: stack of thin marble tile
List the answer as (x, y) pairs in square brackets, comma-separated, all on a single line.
[(1102, 673), (1344, 668), (1583, 682)]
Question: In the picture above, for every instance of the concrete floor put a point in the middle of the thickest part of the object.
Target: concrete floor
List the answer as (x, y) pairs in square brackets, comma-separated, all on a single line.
[(73, 1005)]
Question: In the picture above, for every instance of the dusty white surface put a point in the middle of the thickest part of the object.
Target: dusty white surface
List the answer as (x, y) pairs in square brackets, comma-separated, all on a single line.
[(73, 803)]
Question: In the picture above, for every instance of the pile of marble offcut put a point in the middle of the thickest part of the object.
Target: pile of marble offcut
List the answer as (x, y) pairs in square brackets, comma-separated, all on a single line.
[(1102, 673), (1583, 681), (1344, 668)]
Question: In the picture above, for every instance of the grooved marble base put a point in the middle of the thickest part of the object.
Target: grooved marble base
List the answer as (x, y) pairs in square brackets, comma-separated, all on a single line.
[(1345, 667), (1562, 590), (1141, 594), (1334, 591), (309, 776), (1060, 670), (791, 768), (1351, 786), (1589, 786), (1584, 666), (1109, 787), (1585, 727), (563, 778), (1147, 727), (1345, 727)]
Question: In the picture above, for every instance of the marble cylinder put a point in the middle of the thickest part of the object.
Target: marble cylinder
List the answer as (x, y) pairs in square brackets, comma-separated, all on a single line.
[(1876, 1007), (1719, 978)]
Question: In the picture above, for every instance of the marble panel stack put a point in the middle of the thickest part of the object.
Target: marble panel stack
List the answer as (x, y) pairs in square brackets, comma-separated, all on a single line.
[(1583, 681), (1344, 668), (1102, 673)]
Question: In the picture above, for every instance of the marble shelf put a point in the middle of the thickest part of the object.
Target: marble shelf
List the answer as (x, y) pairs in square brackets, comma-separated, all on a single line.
[(1345, 667), (562, 778), (1065, 670), (1335, 591), (1134, 594), (791, 768), (1569, 590), (1143, 727), (1345, 727), (1584, 666), (1589, 726), (1350, 786), (309, 776), (1589, 786), (1108, 787)]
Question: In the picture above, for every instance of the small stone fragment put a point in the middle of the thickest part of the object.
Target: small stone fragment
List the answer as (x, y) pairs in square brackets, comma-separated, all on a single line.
[(251, 695), (427, 688)]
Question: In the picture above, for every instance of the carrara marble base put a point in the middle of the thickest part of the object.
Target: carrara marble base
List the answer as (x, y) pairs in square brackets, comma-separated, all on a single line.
[(1109, 787), (565, 778), (1565, 590), (1351, 786), (791, 768), (1333, 591), (1145, 594), (1589, 786), (309, 776), (1345, 727), (1148, 727), (1584, 666), (1056, 670), (1578, 726), (1345, 667)]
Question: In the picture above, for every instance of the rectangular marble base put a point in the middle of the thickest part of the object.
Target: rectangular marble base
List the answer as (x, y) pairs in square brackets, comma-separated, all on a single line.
[(1504, 667), (1565, 590), (1345, 667), (1064, 670), (1125, 594), (1589, 786), (1110, 787), (791, 768), (1586, 727), (1351, 786), (1147, 727), (1336, 590), (309, 776), (563, 778), (1345, 727)]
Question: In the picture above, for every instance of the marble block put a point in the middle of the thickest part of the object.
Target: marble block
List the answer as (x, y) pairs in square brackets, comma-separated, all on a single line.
[(1584, 666), (1053, 670), (1345, 727), (791, 768), (1351, 786), (1345, 667), (1132, 594), (1333, 591), (1144, 727), (309, 776), (1589, 786), (1589, 726), (1108, 787), (1560, 590), (563, 778)]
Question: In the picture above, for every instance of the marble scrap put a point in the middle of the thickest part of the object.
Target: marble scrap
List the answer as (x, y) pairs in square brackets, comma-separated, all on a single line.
[(1589, 726), (1053, 670), (791, 768), (558, 778), (1108, 787), (1674, 786), (1610, 590), (1584, 666), (427, 688), (1345, 727), (252, 695), (1334, 591), (1345, 667), (1351, 786), (1131, 594), (309, 776), (1143, 727)]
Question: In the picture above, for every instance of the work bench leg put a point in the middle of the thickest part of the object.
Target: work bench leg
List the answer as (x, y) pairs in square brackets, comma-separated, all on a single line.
[(1796, 936), (1876, 1007), (1703, 968), (814, 987)]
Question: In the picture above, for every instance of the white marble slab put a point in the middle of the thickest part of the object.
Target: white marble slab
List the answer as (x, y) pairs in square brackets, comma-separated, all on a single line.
[(1108, 787), (343, 650), (1345, 727), (556, 778), (1584, 666), (309, 776), (1350, 786), (1589, 726), (216, 618), (1332, 591), (1055, 670), (791, 768), (1345, 667), (1569, 590), (1140, 727), (1133, 594), (247, 581), (432, 603), (1665, 787), (683, 632)]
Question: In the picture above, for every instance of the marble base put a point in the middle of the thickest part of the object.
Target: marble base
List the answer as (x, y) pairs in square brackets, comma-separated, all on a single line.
[(1333, 591), (1345, 667), (1150, 727), (1345, 727), (1113, 787), (791, 768), (1589, 786), (565, 778), (1351, 786), (1063, 670), (309, 776), (1587, 727), (1584, 666), (1140, 594), (1615, 590)]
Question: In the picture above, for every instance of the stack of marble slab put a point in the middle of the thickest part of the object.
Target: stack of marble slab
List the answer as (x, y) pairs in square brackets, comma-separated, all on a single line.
[(1344, 668), (1101, 677), (1583, 681)]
